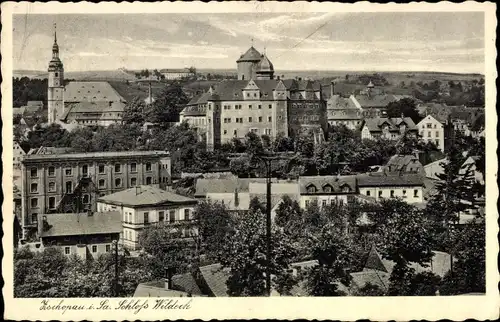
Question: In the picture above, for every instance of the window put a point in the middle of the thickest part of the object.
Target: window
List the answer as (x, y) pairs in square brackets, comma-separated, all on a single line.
[(270, 106), (437, 142), (68, 171), (250, 119), (187, 214), (269, 119), (323, 203), (225, 131), (86, 199), (94, 248), (52, 186), (52, 171), (260, 118), (250, 106), (149, 180), (415, 193), (133, 167), (34, 218), (429, 134), (307, 203), (171, 216), (85, 169), (108, 248), (148, 166), (102, 183), (52, 202), (368, 192), (380, 194), (268, 132), (437, 133), (311, 189), (69, 186), (101, 168), (327, 188), (133, 182), (392, 193), (34, 202), (346, 188), (118, 167), (118, 182), (34, 172), (67, 250), (34, 187), (146, 218), (161, 216)]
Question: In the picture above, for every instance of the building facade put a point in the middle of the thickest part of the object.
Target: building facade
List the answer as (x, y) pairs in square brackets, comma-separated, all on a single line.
[(327, 190), (408, 187), (143, 206), (85, 235), (343, 111), (388, 128), (19, 154), (171, 74), (431, 130), (64, 183)]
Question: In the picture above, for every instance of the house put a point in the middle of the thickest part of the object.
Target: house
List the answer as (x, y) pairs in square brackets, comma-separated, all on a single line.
[(408, 187), (177, 73), (326, 190), (431, 130), (18, 154), (236, 193), (83, 234), (143, 206), (404, 164), (341, 110), (433, 169), (377, 270), (388, 128)]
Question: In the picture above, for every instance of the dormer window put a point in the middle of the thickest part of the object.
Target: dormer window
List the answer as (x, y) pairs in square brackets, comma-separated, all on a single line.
[(311, 188), (327, 188), (346, 188)]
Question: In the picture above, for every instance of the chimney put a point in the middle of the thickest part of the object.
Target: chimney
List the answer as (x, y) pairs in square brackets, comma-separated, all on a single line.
[(332, 89)]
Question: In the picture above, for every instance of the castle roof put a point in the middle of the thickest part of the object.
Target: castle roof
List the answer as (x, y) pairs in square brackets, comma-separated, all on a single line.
[(252, 55), (265, 65)]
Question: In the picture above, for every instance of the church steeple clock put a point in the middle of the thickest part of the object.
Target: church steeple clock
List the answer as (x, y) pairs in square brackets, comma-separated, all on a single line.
[(55, 95)]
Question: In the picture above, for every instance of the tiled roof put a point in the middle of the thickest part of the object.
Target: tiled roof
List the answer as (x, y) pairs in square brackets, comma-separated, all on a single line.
[(380, 180), (35, 103), (404, 163), (182, 285), (77, 110), (90, 155), (204, 186), (193, 109), (320, 182), (145, 196), (91, 92), (215, 277), (251, 55), (339, 102), (49, 150), (375, 124), (83, 224), (377, 101), (265, 64)]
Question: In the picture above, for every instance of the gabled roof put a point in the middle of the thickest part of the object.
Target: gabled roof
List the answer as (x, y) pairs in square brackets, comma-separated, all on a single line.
[(337, 102), (381, 180), (215, 277), (401, 162), (194, 110), (83, 224), (375, 124), (376, 101), (336, 182), (251, 55), (77, 109), (182, 285), (79, 91), (204, 186), (145, 196)]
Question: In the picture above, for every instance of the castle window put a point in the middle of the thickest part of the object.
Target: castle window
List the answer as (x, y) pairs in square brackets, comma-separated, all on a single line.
[(270, 118), (327, 188), (260, 118), (86, 199), (118, 182), (68, 171), (101, 168), (270, 106), (34, 202), (149, 180), (101, 183), (225, 131), (118, 167), (133, 182), (148, 166), (52, 202), (250, 119), (250, 106), (235, 132), (133, 167), (34, 172), (34, 187)]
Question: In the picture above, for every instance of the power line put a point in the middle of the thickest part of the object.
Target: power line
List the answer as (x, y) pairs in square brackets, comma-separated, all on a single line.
[(304, 39)]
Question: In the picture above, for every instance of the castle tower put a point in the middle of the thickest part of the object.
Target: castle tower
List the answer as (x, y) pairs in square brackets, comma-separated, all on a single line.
[(247, 64), (55, 95), (265, 69)]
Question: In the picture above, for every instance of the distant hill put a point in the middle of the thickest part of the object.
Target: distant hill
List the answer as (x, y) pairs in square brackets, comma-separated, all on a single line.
[(119, 74)]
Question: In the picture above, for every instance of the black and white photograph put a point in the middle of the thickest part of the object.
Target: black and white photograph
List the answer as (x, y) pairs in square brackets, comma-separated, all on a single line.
[(248, 154)]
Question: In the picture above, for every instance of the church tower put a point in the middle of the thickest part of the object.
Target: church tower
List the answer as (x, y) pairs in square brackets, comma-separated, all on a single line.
[(55, 95)]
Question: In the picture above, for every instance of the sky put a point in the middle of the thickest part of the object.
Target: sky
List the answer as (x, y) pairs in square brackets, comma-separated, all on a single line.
[(429, 41)]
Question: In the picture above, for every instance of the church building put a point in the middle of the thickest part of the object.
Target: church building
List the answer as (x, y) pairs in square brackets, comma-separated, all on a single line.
[(80, 102)]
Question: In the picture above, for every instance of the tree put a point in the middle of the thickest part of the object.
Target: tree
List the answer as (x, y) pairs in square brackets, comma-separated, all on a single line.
[(168, 104), (166, 249), (406, 107), (134, 112), (52, 135), (245, 255), (214, 225), (405, 238), (331, 251)]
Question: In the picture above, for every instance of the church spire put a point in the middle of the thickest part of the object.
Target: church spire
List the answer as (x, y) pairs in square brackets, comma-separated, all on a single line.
[(55, 47), (55, 33)]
